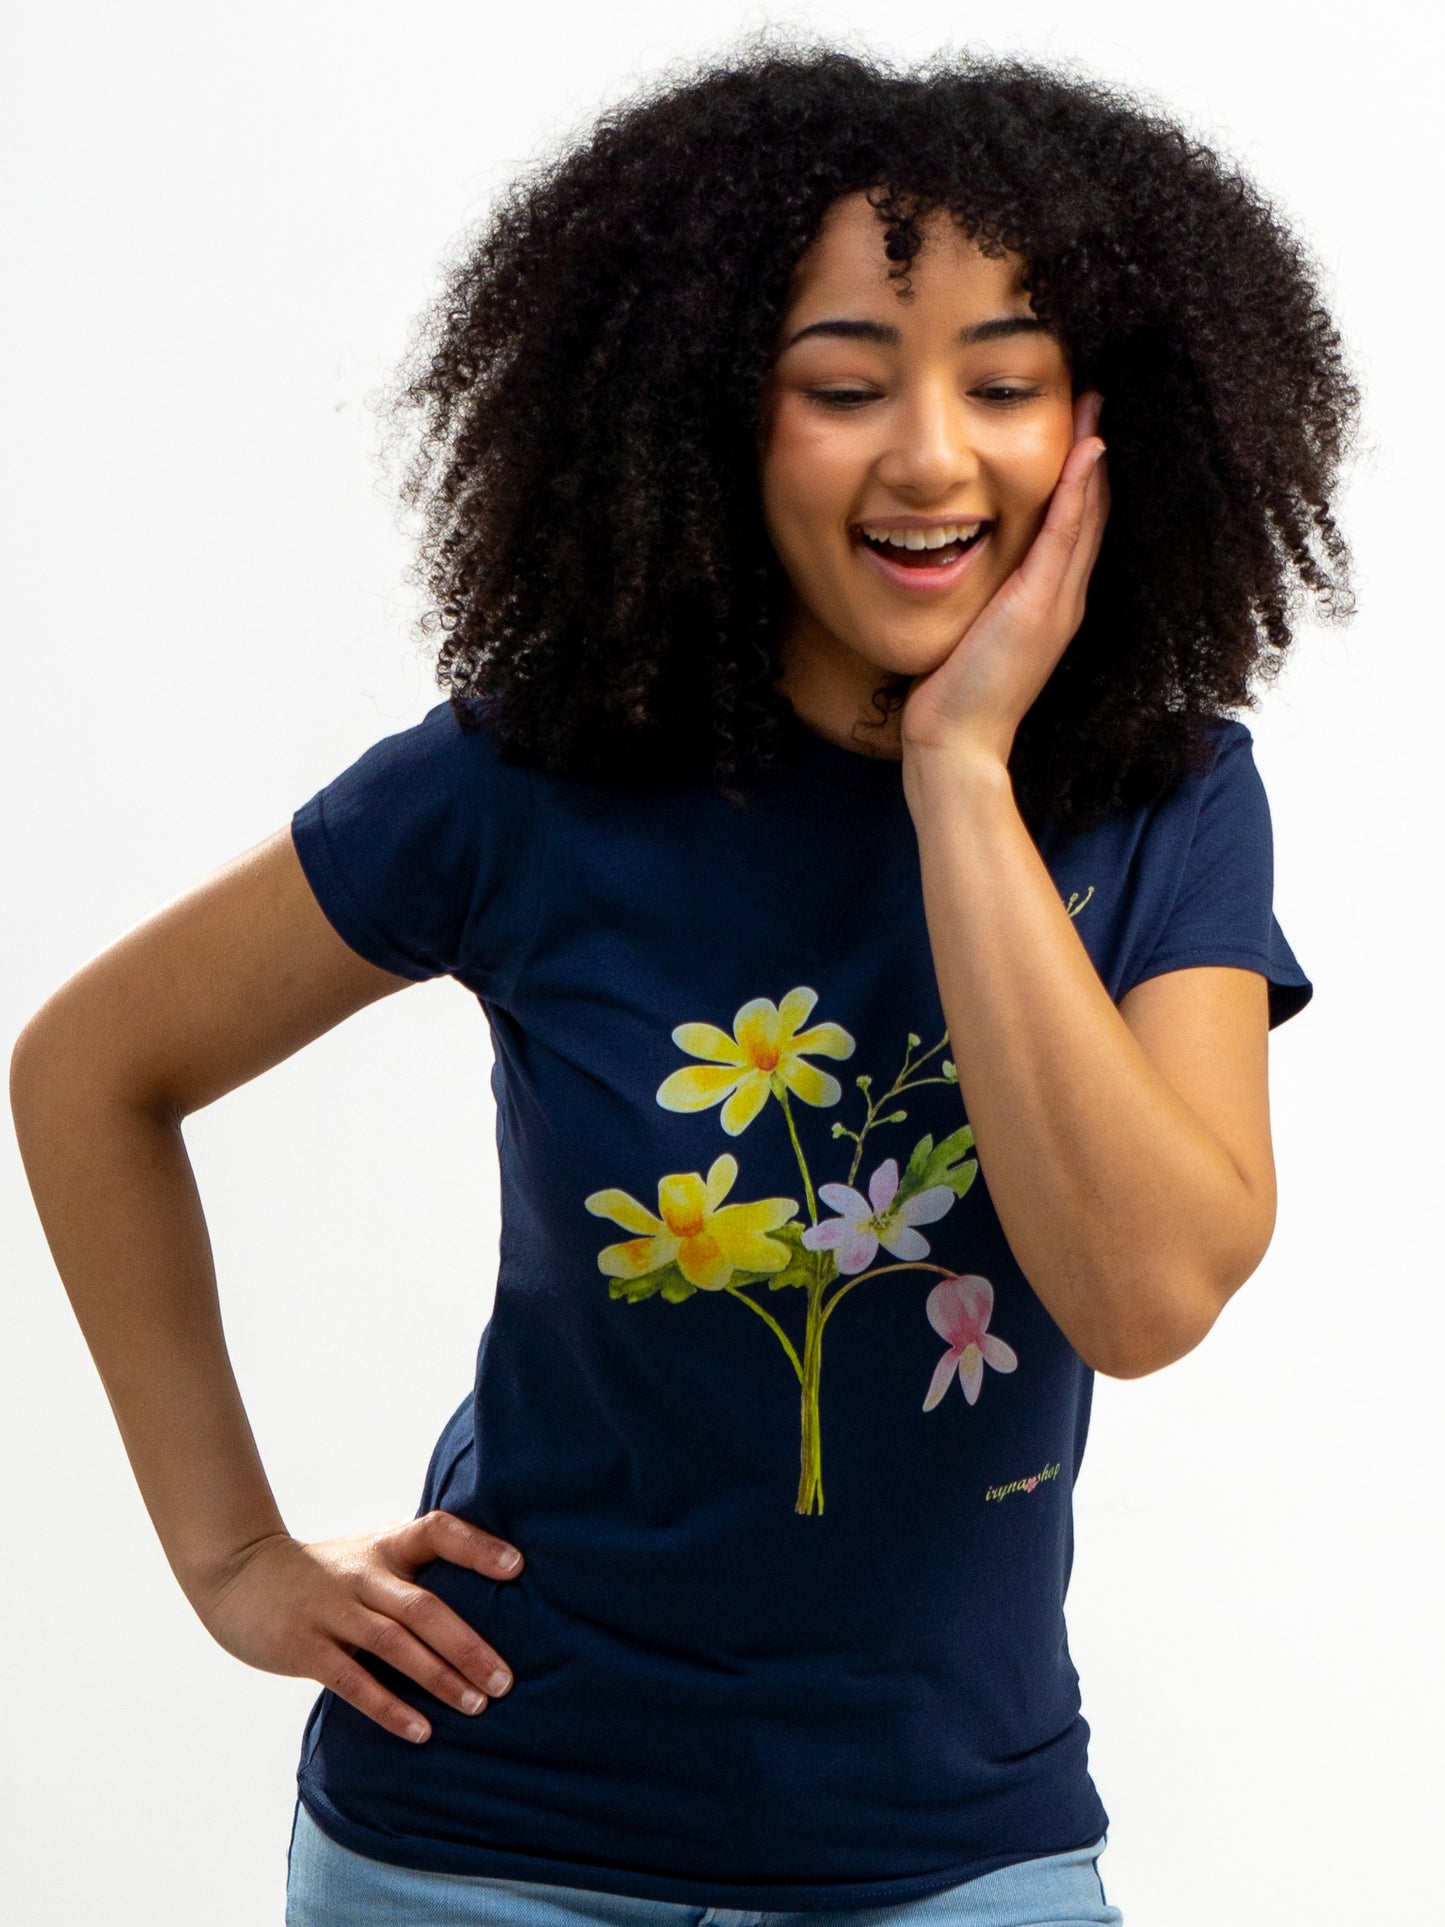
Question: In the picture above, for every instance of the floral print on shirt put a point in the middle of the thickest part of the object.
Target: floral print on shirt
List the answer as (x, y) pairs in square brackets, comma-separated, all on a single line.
[(695, 1240)]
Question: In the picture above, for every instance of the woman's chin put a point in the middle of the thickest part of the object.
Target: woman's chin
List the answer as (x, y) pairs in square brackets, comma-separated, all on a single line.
[(911, 656), (888, 643)]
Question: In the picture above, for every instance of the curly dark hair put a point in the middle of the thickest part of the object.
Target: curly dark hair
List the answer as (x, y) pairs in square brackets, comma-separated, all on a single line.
[(587, 387)]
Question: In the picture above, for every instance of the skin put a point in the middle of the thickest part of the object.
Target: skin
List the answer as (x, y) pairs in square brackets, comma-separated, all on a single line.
[(1127, 1151), (858, 431)]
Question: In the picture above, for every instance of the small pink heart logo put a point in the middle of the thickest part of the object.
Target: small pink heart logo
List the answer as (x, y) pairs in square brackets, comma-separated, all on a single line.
[(1029, 1484)]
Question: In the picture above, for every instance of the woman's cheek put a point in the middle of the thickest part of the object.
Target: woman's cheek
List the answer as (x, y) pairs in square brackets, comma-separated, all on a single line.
[(1026, 494), (805, 499), (816, 453)]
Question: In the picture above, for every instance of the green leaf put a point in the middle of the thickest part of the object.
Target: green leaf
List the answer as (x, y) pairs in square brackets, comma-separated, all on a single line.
[(917, 1165), (667, 1279), (635, 1289), (797, 1271), (943, 1163), (956, 1143), (963, 1177)]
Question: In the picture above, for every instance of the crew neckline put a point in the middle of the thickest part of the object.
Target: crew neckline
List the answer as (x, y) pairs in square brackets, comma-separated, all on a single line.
[(854, 769)]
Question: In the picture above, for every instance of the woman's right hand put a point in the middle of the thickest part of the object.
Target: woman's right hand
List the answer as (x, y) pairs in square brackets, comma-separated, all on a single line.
[(284, 1606)]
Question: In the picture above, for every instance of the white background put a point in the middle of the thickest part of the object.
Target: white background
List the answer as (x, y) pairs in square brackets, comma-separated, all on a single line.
[(221, 222)]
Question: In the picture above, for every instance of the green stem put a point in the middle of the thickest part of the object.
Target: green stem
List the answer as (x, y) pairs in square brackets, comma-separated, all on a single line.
[(768, 1319), (810, 1370), (897, 1090), (802, 1161), (926, 1055), (916, 1264), (810, 1479)]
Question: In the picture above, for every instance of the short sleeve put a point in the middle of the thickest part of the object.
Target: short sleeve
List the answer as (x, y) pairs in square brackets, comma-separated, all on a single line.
[(417, 852), (1222, 910)]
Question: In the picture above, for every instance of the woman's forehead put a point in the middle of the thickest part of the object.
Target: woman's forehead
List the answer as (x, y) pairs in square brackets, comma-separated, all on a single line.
[(850, 248), (847, 265)]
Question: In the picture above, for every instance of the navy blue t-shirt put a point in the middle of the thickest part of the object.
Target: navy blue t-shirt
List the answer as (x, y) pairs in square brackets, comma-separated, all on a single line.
[(787, 1438)]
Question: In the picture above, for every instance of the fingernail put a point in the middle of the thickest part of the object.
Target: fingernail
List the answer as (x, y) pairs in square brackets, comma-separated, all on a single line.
[(499, 1682), (473, 1702), (416, 1731), (511, 1557)]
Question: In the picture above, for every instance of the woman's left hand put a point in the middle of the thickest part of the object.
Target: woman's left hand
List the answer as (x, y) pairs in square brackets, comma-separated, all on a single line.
[(975, 699)]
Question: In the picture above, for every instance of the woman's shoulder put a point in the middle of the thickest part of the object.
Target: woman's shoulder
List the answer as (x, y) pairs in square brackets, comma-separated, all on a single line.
[(412, 848), (449, 752)]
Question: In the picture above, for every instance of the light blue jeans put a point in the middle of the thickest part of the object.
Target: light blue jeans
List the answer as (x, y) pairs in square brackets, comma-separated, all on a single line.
[(328, 1885)]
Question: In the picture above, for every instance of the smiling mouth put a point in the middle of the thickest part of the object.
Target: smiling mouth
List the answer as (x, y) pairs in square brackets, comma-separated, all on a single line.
[(909, 558)]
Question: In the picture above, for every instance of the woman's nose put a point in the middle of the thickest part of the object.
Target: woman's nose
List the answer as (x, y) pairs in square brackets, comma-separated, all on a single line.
[(931, 450)]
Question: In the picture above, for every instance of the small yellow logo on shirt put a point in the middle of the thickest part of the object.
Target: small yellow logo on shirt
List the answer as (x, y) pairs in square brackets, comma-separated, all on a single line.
[(1023, 1485)]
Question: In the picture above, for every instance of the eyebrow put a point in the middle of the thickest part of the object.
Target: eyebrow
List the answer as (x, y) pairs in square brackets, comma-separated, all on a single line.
[(884, 335)]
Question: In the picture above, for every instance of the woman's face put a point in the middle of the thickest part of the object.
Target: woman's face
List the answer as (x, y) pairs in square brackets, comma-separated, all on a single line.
[(945, 417)]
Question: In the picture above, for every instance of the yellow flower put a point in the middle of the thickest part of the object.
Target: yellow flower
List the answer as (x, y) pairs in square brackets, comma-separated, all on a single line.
[(707, 1244), (764, 1054)]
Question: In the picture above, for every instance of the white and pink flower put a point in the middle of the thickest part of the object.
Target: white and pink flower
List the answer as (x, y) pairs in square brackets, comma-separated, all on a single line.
[(863, 1224), (959, 1310)]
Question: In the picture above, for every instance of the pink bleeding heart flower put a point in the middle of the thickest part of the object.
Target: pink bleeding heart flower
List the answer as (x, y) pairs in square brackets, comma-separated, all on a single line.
[(865, 1223), (959, 1310)]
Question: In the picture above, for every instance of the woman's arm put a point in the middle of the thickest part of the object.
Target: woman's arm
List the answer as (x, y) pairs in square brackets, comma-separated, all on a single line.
[(1127, 1151), (217, 987)]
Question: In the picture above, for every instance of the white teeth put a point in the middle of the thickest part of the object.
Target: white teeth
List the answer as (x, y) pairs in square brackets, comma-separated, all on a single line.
[(924, 538)]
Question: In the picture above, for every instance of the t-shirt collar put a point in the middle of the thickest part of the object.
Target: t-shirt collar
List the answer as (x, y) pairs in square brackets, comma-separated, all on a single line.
[(857, 769)]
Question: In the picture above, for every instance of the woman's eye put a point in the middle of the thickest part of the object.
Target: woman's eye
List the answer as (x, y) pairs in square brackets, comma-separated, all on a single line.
[(1001, 393), (839, 397)]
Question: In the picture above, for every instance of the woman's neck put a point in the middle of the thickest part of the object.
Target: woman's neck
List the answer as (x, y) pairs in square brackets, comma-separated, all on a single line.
[(831, 690)]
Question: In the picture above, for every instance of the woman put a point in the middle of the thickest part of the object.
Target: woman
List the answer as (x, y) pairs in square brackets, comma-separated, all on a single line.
[(774, 401)]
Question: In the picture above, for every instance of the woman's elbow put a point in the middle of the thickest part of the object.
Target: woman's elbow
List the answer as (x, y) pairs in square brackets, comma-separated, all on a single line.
[(1175, 1323)]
